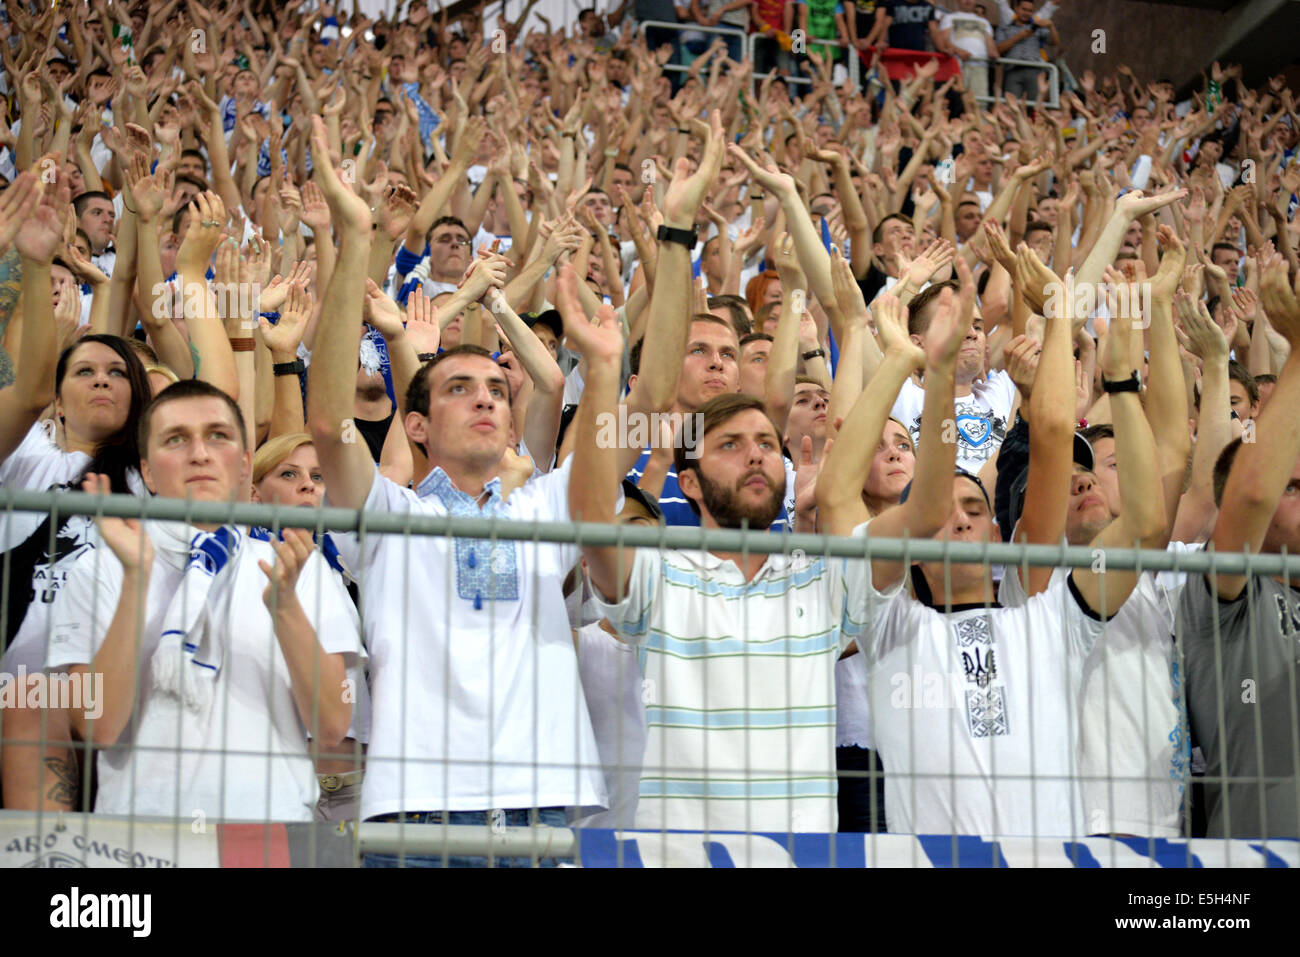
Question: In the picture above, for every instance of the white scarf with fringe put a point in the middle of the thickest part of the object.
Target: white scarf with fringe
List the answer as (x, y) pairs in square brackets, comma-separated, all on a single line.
[(192, 648)]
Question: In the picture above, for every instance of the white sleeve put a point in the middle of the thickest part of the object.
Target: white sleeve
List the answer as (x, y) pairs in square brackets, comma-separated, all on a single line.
[(329, 609), (38, 463), (862, 604), (631, 616), (84, 608)]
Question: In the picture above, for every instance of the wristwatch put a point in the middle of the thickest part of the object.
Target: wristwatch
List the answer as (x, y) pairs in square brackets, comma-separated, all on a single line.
[(296, 367), (684, 237), (1132, 384), (813, 354)]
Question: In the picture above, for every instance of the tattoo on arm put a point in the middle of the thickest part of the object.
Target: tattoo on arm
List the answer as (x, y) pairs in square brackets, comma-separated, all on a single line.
[(64, 789), (11, 280)]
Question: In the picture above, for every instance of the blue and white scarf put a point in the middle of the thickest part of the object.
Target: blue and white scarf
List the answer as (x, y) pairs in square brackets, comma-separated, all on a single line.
[(192, 649)]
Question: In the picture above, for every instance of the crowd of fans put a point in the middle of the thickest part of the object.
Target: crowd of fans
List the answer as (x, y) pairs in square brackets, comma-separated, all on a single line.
[(299, 256)]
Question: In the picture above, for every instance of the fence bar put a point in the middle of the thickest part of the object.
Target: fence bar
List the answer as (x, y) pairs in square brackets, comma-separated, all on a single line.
[(467, 840), (763, 542)]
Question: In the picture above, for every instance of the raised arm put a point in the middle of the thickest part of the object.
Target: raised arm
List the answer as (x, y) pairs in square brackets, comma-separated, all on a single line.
[(596, 471), (928, 506), (331, 384), (36, 231), (1142, 520), (1262, 471), (840, 507)]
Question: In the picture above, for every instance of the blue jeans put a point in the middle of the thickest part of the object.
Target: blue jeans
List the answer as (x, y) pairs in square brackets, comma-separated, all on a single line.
[(549, 816)]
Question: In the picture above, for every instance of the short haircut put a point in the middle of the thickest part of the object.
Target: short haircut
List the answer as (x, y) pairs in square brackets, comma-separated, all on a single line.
[(737, 308), (83, 200), (1265, 378), (418, 393), (181, 178), (918, 316), (179, 391), (634, 356), (1094, 433), (1239, 373), (714, 413), (1223, 467), (1036, 226), (710, 317), (276, 450), (1225, 247), (879, 233), (755, 337), (448, 221)]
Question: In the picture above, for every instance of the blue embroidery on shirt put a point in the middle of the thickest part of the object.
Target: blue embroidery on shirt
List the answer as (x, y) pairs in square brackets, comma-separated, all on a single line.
[(485, 570)]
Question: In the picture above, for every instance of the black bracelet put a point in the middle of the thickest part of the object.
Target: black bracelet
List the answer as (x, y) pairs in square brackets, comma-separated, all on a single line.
[(295, 367), (1132, 384), (684, 237), (427, 356), (814, 354), (757, 195)]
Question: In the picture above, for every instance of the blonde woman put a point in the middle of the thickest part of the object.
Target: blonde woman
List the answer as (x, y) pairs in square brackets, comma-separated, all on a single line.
[(287, 472)]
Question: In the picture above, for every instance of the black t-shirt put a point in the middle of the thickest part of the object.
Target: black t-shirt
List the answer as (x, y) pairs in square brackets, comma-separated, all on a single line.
[(909, 29), (864, 12), (375, 431)]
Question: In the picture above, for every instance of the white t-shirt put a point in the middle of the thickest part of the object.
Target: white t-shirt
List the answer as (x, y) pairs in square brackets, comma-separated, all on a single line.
[(1133, 739), (612, 684), (475, 696), (36, 465), (974, 713), (981, 420), (252, 762), (968, 33), (739, 687)]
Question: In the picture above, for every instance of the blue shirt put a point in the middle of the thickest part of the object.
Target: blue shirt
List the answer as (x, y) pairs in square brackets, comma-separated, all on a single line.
[(677, 507)]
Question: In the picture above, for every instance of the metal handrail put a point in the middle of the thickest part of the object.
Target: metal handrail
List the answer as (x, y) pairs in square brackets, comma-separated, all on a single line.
[(1054, 76)]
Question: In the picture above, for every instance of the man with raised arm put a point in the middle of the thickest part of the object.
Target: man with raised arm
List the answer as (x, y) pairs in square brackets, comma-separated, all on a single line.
[(973, 704), (476, 702), (738, 650), (1238, 633)]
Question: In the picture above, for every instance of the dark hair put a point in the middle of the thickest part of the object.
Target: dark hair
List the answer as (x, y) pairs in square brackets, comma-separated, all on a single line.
[(1239, 373), (417, 393), (1236, 253), (1223, 467), (717, 411), (447, 221), (1094, 432), (120, 452), (83, 200), (634, 356), (880, 227), (764, 313), (918, 317), (755, 337), (1265, 378), (1036, 226), (189, 389), (737, 308)]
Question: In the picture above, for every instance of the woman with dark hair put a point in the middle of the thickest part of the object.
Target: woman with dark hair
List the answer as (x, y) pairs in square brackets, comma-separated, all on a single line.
[(100, 391)]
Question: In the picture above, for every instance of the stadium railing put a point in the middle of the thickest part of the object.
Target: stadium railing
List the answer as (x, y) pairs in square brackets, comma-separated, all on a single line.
[(34, 838)]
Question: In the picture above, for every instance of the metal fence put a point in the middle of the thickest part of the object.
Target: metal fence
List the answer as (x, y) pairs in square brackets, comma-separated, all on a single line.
[(1124, 835)]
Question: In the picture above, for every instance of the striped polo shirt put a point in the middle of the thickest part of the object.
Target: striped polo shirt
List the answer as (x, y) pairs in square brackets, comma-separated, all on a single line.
[(738, 681)]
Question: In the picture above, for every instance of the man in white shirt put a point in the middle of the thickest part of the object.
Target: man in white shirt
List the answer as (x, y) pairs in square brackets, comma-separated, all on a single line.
[(996, 752), (971, 38), (477, 711), (214, 714), (983, 404)]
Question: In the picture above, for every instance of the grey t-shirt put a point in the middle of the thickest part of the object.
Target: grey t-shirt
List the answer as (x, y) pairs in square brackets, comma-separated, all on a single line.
[(1255, 678)]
